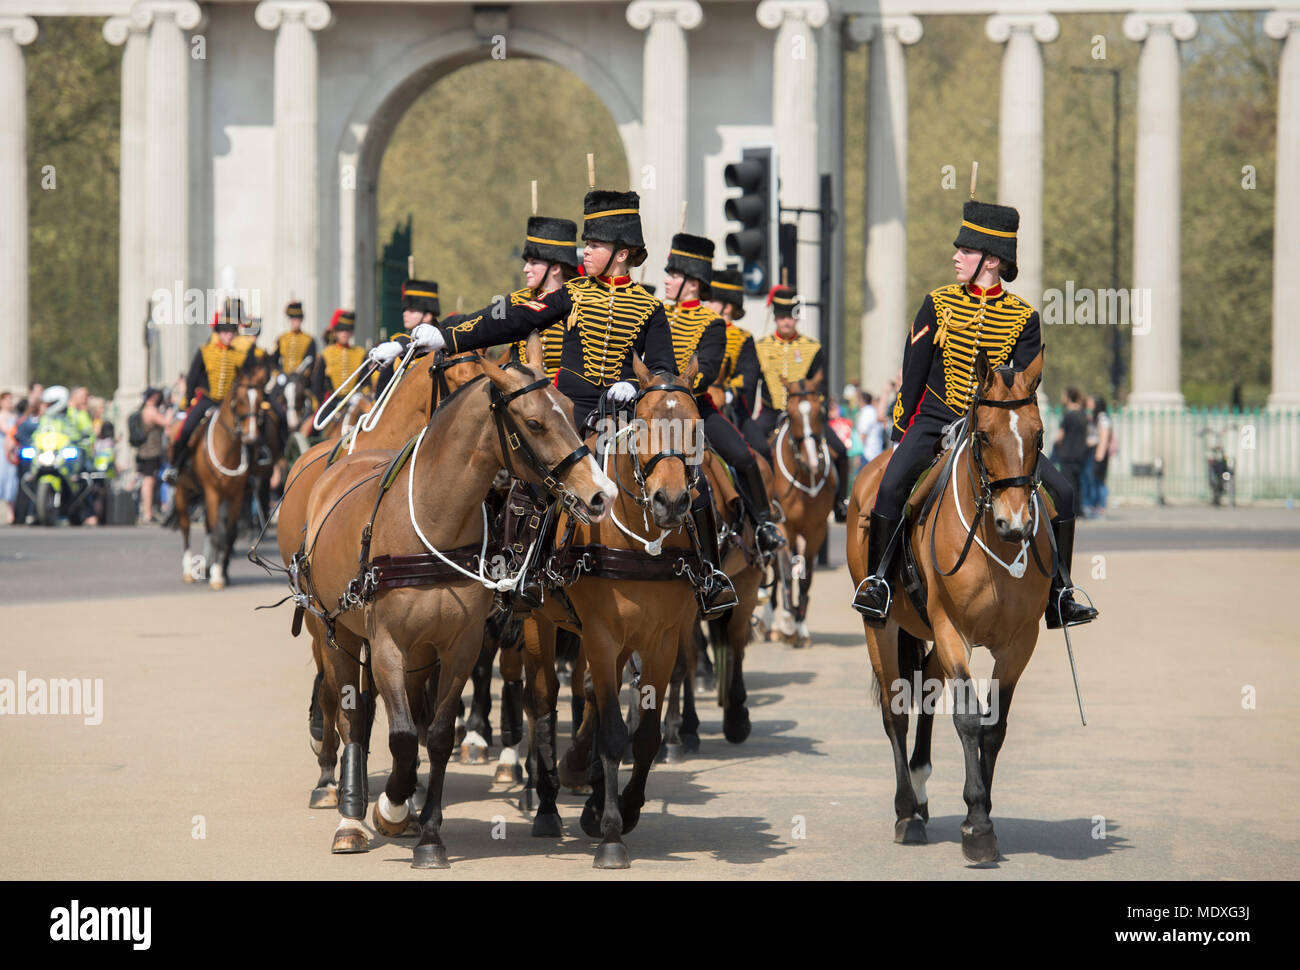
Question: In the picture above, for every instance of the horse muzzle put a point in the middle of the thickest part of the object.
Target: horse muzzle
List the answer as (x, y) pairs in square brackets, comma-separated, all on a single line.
[(669, 511)]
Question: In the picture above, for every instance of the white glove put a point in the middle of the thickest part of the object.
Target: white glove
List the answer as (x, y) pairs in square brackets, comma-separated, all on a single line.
[(385, 353), (728, 397), (622, 392), (427, 337)]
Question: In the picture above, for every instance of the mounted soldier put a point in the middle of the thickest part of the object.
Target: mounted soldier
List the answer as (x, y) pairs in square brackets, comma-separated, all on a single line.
[(293, 346), (339, 360), (956, 322), (740, 373), (212, 374), (788, 356), (420, 309), (698, 330), (550, 261), (607, 318)]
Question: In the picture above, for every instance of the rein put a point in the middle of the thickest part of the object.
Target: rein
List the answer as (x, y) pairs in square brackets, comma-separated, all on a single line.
[(235, 434), (810, 491)]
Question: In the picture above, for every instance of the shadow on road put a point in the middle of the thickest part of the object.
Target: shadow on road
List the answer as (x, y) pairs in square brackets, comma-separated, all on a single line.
[(1069, 839)]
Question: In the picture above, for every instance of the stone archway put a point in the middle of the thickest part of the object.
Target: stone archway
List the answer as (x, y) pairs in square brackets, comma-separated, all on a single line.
[(349, 237)]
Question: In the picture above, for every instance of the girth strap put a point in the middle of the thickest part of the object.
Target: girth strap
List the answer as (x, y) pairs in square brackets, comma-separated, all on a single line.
[(424, 569), (628, 564)]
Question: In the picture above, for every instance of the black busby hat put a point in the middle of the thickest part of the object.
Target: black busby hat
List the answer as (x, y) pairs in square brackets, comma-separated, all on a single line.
[(784, 300), (614, 217), (691, 256), (551, 240), (728, 286), (294, 309), (991, 229), (421, 295), (343, 320), (230, 316)]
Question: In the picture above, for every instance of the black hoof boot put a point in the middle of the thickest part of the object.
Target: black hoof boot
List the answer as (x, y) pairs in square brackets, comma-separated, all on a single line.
[(548, 826), (611, 855), (690, 743), (910, 831), (430, 856), (352, 782), (736, 726), (981, 847)]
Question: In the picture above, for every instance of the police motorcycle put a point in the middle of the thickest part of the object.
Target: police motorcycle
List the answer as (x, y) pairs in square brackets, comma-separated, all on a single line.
[(60, 475)]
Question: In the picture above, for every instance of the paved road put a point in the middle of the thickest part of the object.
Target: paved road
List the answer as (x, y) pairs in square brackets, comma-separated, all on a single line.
[(203, 728)]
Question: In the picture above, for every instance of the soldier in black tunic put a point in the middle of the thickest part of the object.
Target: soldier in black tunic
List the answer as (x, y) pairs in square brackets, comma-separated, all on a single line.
[(740, 372), (953, 324)]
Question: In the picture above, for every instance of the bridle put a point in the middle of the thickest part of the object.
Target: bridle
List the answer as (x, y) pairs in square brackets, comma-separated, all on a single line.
[(234, 432), (817, 439)]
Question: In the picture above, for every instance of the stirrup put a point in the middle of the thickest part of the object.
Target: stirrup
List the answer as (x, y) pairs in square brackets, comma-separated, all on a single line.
[(873, 615), (170, 475), (841, 510), (1056, 621), (774, 539), (717, 596)]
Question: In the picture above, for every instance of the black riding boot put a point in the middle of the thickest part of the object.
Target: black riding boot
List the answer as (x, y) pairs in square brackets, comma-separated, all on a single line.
[(716, 594), (749, 483), (180, 454), (1060, 601), (873, 596), (842, 492)]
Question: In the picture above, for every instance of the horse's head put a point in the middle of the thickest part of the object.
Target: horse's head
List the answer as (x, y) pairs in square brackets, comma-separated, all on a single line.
[(244, 401), (803, 408), (1006, 433), (668, 427), (542, 445), (291, 389)]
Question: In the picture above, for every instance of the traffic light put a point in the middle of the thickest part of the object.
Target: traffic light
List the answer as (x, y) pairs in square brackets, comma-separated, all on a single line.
[(756, 211)]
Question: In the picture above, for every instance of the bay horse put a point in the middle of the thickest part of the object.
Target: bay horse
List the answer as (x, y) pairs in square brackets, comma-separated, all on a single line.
[(806, 485), (980, 590), (365, 551), (408, 410), (621, 613), (224, 443)]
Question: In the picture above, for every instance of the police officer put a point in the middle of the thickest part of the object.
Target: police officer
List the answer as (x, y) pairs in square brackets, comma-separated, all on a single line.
[(788, 355), (607, 318), (211, 376), (697, 329), (953, 324)]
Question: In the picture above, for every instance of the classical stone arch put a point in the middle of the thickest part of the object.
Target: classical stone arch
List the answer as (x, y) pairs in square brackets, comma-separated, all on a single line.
[(375, 115)]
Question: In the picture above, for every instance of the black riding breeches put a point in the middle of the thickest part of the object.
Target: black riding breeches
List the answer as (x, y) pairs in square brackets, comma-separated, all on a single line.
[(917, 449), (195, 414), (723, 436)]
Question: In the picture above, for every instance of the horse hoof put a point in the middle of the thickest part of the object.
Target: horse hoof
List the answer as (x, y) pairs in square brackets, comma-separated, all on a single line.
[(350, 837), (690, 743), (736, 728), (674, 754), (430, 857), (389, 827), (910, 831), (548, 826), (327, 797), (590, 822), (923, 810), (473, 754), (508, 775), (980, 848), (187, 578), (217, 583), (611, 855)]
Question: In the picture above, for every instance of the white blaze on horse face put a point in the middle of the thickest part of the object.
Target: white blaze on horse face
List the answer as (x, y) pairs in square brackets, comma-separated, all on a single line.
[(1020, 518), (291, 403), (805, 412), (1015, 430), (252, 414)]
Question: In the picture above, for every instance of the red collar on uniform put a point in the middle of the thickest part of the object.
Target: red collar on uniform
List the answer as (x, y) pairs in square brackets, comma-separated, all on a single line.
[(787, 340), (994, 290), (688, 304), (615, 280)]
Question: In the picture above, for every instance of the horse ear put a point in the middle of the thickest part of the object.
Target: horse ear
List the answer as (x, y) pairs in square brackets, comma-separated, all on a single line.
[(982, 370), (534, 348), (1034, 373), (642, 372), (494, 372), (692, 371)]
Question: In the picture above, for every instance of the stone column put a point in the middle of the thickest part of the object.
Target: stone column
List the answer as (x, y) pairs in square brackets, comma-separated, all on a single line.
[(1020, 136), (664, 112), (1284, 25), (15, 34), (1156, 256), (885, 316), (297, 198), (132, 291), (794, 126), (167, 176)]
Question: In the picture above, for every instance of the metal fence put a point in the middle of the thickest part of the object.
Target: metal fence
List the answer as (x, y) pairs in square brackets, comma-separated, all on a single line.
[(1262, 446)]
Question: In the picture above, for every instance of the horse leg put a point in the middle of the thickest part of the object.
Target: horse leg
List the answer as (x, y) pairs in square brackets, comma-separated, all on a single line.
[(343, 676), (633, 703), (703, 666), (655, 673), (978, 842), (919, 766), (735, 715), (611, 739), (232, 533), (478, 732), (211, 540), (673, 753), (1007, 669), (574, 765), (430, 853), (511, 664), (181, 499), (540, 695), (326, 792), (690, 729), (388, 669), (893, 670)]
